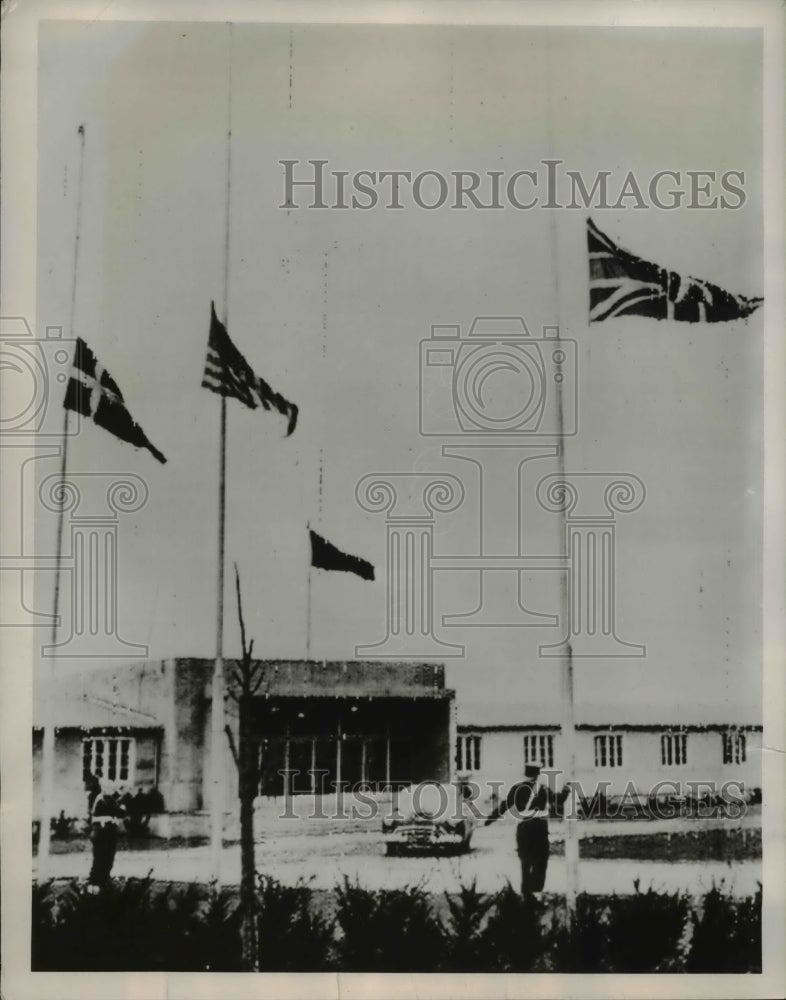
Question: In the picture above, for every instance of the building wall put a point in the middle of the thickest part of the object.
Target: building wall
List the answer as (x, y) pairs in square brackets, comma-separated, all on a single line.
[(68, 788), (502, 759)]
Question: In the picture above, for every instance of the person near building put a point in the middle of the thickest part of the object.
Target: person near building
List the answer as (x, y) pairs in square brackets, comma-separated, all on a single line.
[(528, 801), (106, 817), (93, 789)]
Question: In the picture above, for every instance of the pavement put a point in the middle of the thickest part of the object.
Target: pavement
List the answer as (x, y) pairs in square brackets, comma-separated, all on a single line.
[(323, 859)]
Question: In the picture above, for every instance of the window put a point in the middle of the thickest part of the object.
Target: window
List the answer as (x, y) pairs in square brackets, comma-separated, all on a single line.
[(539, 749), (608, 750), (468, 753), (109, 757), (673, 749), (734, 749)]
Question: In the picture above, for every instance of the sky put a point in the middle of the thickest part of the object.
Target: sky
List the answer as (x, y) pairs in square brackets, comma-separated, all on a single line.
[(330, 307)]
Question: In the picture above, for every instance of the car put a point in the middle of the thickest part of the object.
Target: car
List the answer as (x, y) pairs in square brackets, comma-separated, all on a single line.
[(429, 818)]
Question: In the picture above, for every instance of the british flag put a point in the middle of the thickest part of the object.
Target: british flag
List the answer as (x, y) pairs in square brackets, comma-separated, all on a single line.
[(622, 284)]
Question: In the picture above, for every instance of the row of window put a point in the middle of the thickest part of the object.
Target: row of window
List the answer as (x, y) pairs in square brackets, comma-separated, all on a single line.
[(113, 757), (110, 758), (539, 749)]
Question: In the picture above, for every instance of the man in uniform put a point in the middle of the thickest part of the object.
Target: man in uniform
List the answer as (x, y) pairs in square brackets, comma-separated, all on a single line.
[(528, 801), (106, 817)]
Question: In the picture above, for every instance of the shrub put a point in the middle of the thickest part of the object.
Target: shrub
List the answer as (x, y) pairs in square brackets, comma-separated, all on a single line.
[(292, 936), (646, 931), (726, 933), (465, 947), (138, 925), (392, 930), (581, 945), (514, 936), (131, 925)]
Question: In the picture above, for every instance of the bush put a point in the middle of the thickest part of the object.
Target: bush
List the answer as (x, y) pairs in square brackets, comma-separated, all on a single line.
[(514, 936), (137, 925), (645, 932), (392, 930), (465, 947), (292, 937), (582, 946), (726, 933), (131, 925)]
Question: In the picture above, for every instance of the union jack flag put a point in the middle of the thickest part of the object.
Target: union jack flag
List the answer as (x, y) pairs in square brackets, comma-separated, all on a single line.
[(622, 284), (93, 393), (229, 374)]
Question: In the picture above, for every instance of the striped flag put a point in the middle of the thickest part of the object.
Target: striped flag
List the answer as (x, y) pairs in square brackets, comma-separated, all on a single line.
[(93, 393), (325, 555), (229, 374), (622, 284)]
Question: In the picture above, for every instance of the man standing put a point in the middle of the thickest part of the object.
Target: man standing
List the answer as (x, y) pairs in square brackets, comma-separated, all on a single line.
[(106, 817), (528, 801)]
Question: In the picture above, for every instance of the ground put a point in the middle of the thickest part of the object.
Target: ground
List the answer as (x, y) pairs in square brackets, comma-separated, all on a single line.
[(614, 855)]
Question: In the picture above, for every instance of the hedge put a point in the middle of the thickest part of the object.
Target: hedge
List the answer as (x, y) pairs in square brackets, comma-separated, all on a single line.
[(143, 925)]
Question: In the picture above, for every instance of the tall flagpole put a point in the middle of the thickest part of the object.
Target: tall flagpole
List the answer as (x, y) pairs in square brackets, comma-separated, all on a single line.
[(568, 698), (310, 567), (217, 723), (46, 688), (308, 604)]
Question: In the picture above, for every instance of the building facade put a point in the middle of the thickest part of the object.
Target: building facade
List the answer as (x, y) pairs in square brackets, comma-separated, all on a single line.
[(147, 724), (617, 749)]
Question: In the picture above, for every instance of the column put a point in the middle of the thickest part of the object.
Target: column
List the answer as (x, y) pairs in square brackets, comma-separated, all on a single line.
[(501, 515), (92, 503), (18, 535), (590, 502), (410, 502)]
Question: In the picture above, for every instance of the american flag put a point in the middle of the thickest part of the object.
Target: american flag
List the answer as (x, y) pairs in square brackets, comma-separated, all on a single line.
[(229, 374), (622, 284), (93, 393)]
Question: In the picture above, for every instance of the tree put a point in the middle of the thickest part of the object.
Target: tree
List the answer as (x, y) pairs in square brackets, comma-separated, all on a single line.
[(246, 680)]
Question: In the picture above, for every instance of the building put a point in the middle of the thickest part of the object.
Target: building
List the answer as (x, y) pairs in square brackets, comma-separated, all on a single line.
[(147, 724), (615, 744)]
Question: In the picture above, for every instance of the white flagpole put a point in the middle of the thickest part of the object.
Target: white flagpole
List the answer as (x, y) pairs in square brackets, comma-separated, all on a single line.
[(568, 755), (568, 713), (310, 560), (308, 596), (46, 689), (217, 723)]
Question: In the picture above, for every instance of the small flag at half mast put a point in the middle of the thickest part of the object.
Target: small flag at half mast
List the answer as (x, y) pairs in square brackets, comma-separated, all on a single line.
[(92, 392), (229, 374), (325, 555), (622, 284)]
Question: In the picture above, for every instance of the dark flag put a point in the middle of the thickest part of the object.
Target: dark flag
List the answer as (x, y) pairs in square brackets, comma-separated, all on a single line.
[(229, 374), (92, 392), (325, 555), (622, 284)]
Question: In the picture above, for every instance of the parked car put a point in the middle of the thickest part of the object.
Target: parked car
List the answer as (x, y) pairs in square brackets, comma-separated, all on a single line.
[(429, 818)]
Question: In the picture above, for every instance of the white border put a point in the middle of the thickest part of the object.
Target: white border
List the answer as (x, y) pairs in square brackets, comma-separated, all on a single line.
[(17, 295)]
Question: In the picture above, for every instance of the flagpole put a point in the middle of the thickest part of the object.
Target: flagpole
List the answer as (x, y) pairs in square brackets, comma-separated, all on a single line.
[(308, 603), (311, 560), (217, 693), (217, 721), (568, 712), (46, 688)]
